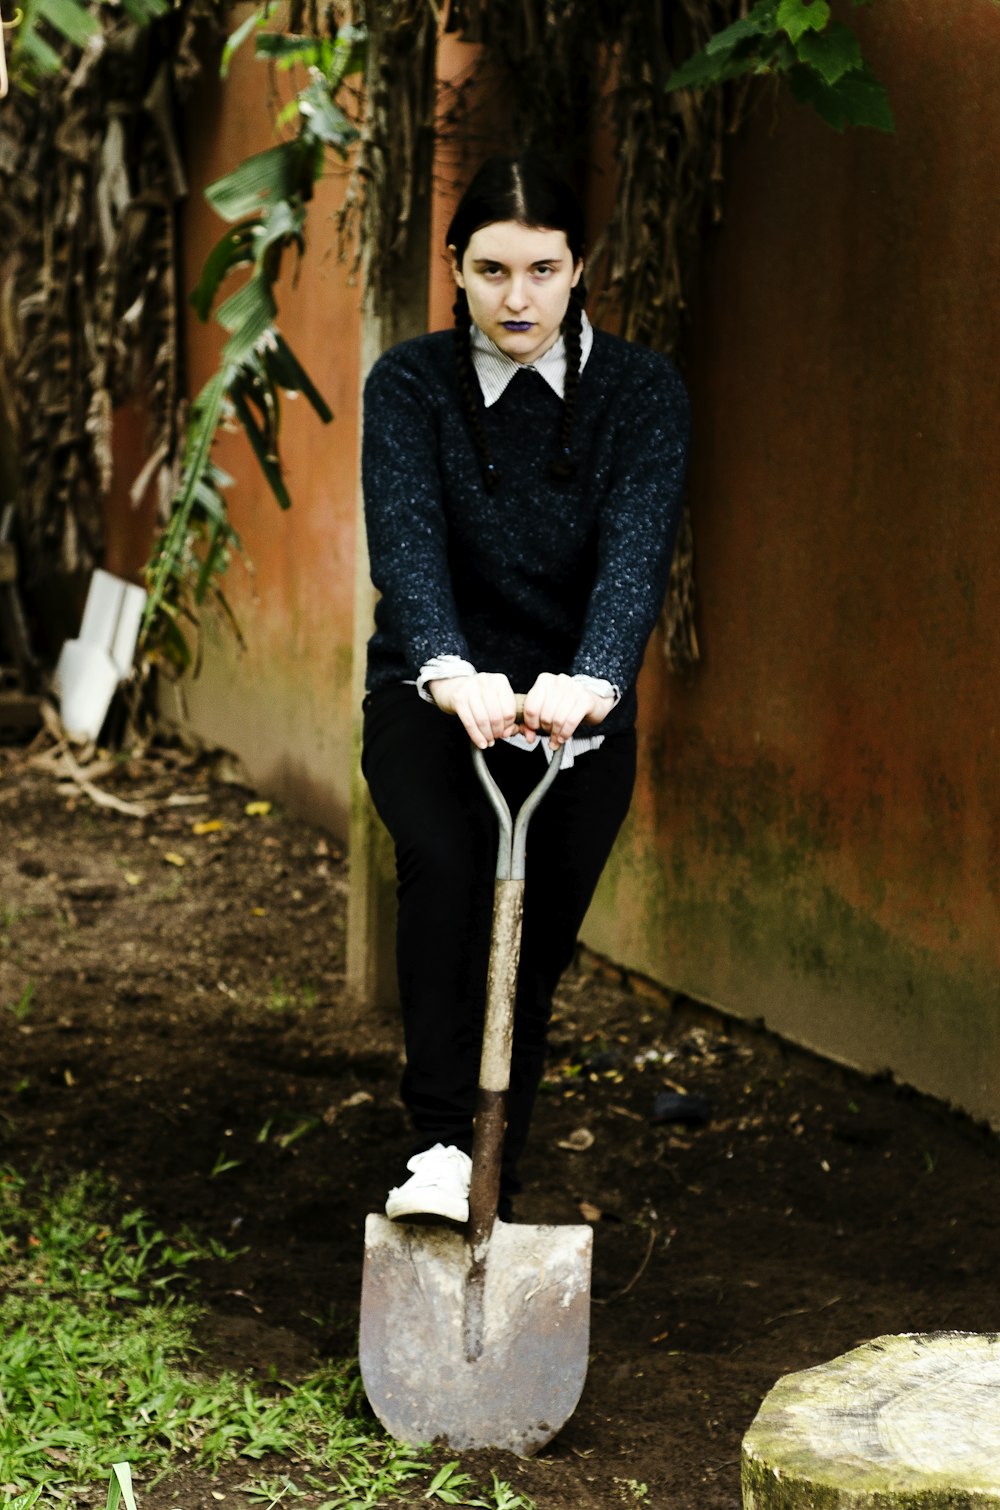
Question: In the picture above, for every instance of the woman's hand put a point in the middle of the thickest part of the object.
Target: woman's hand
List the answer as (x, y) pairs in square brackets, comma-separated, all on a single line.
[(484, 703), (558, 705)]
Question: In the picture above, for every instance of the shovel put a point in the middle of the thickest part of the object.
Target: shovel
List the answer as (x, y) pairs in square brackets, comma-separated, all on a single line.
[(480, 1340)]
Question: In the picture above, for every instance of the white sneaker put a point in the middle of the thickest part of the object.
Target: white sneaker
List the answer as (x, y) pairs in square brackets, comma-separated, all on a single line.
[(438, 1187)]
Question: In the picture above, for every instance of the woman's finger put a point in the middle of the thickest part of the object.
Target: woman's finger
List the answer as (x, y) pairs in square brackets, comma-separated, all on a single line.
[(535, 699)]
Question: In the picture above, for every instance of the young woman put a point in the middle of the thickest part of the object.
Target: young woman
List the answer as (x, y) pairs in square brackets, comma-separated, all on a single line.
[(522, 480)]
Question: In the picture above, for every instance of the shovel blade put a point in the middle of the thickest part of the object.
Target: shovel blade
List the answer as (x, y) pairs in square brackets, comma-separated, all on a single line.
[(535, 1333)]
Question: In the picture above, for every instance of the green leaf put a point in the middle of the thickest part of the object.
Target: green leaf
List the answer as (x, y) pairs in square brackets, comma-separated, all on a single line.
[(286, 49), (287, 372), (205, 413), (234, 249), (760, 22), (218, 545), (856, 99), (326, 120), (73, 20), (264, 450), (261, 179), (247, 315), (283, 223), (142, 12), (796, 17), (42, 57), (832, 53), (238, 37), (120, 1487), (350, 48), (704, 69)]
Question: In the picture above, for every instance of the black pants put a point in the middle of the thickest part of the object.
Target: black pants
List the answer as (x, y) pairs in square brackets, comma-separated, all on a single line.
[(418, 765)]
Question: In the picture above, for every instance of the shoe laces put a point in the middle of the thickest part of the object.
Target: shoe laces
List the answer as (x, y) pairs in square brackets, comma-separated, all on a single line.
[(441, 1154)]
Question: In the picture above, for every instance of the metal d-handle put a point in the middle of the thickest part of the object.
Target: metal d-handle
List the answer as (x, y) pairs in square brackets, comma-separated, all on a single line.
[(512, 846)]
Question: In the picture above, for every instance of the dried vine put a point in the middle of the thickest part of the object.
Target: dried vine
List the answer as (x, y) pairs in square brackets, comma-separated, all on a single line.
[(392, 167), (670, 157), (562, 68), (90, 177)]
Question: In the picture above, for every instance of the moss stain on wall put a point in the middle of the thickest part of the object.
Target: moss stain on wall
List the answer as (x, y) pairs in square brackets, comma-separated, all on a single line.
[(742, 904)]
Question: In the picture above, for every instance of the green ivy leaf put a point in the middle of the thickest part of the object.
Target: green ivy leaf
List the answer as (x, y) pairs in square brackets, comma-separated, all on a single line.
[(796, 17), (704, 69), (856, 99), (760, 22), (832, 53)]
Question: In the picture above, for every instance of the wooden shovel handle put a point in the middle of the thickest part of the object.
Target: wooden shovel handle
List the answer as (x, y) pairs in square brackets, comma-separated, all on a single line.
[(501, 987)]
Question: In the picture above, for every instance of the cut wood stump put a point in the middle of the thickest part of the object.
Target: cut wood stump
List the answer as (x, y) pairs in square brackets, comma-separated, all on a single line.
[(902, 1423)]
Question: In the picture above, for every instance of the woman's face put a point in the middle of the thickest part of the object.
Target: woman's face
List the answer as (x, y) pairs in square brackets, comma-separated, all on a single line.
[(517, 281)]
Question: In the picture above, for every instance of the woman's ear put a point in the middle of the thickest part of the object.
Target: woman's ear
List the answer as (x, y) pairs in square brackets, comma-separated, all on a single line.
[(456, 267), (577, 273)]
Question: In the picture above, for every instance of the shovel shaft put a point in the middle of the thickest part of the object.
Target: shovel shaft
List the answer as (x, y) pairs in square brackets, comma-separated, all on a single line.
[(501, 987), (494, 1068)]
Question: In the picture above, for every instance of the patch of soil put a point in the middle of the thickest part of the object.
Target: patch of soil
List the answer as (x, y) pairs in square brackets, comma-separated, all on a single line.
[(173, 1012)]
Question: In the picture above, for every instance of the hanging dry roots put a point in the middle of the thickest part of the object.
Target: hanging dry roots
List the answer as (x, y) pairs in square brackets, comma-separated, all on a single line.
[(560, 67), (90, 176)]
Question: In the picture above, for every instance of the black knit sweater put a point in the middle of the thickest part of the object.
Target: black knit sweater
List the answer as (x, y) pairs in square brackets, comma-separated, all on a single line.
[(539, 575)]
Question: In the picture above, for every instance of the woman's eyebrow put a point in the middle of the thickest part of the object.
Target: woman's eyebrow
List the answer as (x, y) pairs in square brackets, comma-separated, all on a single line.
[(496, 262)]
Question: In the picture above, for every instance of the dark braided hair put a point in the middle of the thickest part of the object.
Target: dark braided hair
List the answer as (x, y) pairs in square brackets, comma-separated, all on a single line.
[(468, 387), (527, 190), (562, 467)]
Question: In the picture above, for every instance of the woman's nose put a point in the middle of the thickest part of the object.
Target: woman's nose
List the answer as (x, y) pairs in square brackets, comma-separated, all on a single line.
[(517, 294)]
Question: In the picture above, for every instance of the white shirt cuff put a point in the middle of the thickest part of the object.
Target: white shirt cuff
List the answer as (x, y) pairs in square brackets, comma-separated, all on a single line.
[(438, 668), (599, 686)]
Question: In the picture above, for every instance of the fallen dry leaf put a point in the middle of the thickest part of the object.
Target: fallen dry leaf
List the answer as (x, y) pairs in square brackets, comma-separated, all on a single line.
[(589, 1212), (173, 858), (208, 826), (578, 1141), (257, 809)]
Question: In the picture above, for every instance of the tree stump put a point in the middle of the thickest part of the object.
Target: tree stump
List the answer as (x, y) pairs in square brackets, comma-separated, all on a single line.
[(902, 1423)]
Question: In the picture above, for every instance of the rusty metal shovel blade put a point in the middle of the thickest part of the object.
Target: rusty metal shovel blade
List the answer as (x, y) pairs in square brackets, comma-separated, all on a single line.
[(531, 1329)]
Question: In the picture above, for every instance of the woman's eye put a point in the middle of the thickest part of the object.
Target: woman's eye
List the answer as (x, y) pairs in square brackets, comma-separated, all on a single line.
[(543, 271)]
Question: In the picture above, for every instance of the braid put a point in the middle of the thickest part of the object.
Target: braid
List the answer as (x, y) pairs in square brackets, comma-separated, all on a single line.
[(563, 467), (468, 387)]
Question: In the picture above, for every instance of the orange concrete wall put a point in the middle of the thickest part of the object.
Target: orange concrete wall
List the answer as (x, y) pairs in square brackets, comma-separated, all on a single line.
[(816, 839), (283, 704)]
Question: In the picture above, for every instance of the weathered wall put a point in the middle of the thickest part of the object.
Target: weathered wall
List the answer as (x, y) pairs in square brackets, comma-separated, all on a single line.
[(816, 839), (284, 703), (816, 836)]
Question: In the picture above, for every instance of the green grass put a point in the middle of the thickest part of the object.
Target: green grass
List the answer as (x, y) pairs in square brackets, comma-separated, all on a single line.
[(284, 997), (24, 1003), (99, 1367)]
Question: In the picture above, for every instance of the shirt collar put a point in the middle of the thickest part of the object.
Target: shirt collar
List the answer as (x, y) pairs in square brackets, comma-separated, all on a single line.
[(495, 369)]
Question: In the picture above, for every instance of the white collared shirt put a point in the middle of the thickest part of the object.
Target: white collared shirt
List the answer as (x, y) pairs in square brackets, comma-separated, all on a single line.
[(495, 369)]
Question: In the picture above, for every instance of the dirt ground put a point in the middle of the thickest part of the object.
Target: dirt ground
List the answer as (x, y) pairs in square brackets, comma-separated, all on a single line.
[(172, 1009)]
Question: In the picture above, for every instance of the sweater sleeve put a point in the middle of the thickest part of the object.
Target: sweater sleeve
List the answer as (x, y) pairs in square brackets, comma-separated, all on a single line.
[(404, 515), (638, 526)]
